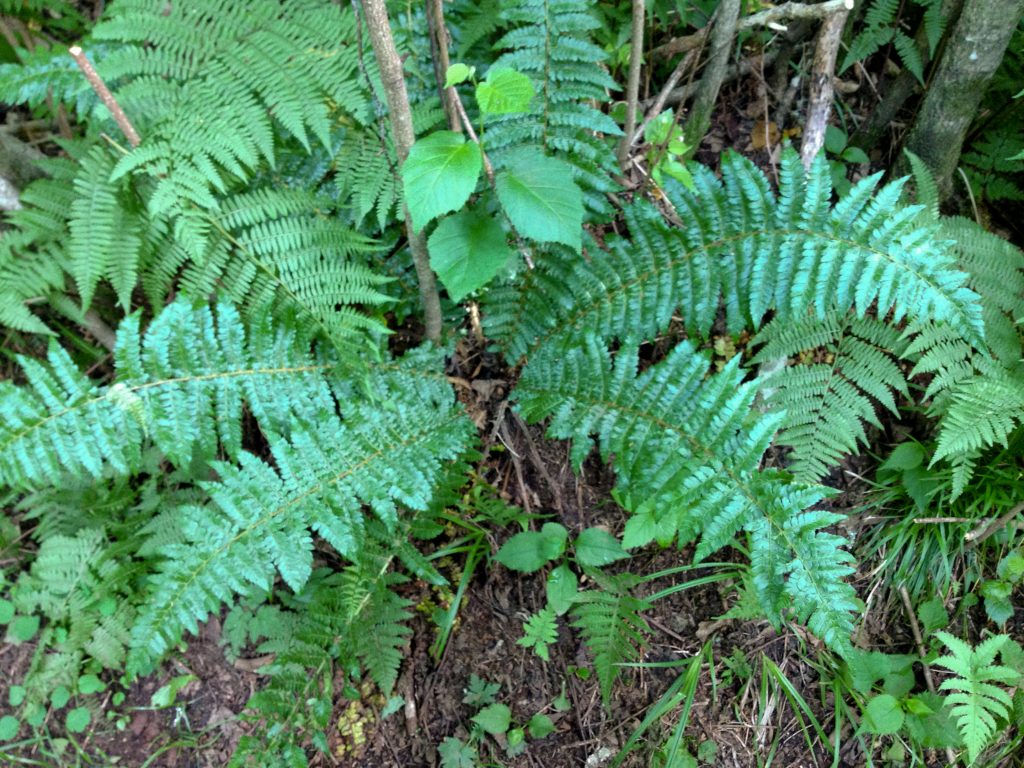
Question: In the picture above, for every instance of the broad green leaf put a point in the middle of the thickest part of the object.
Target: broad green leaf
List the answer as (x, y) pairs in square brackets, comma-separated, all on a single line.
[(77, 720), (561, 588), (439, 175), (60, 696), (458, 73), (504, 92), (16, 695), (541, 198), (456, 754), (466, 252), (596, 547), (9, 727), (494, 719), (90, 684), (905, 456), (530, 550), (6, 611), (24, 628), (933, 615), (883, 715), (540, 726), (166, 695)]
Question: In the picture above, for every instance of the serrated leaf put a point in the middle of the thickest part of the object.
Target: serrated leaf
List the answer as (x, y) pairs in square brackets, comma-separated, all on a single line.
[(24, 628), (77, 720), (596, 547), (933, 615), (6, 611), (883, 715), (540, 726), (530, 550), (504, 92), (494, 719), (466, 252), (439, 175), (541, 199)]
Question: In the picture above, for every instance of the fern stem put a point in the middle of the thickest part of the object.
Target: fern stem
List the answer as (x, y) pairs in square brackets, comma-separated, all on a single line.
[(105, 95), (636, 58), (403, 134)]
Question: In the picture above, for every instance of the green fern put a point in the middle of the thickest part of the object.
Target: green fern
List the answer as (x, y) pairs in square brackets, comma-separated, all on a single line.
[(826, 403), (181, 385), (978, 700), (793, 254), (258, 62), (261, 517), (686, 455), (612, 628), (549, 40), (882, 27)]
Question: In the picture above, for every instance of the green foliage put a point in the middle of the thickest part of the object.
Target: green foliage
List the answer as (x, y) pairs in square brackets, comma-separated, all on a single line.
[(539, 632), (466, 251), (540, 204), (549, 41), (440, 174), (182, 386), (827, 402), (882, 26), (610, 623), (977, 699)]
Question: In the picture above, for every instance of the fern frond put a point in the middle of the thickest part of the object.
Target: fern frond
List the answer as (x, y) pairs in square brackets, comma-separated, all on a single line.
[(261, 517), (610, 621), (977, 699), (549, 40), (794, 254), (182, 385), (686, 453), (263, 64), (826, 403)]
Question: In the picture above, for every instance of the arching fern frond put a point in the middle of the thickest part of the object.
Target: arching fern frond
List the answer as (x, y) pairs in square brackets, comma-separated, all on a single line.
[(793, 254), (261, 517), (826, 400), (181, 385), (686, 454)]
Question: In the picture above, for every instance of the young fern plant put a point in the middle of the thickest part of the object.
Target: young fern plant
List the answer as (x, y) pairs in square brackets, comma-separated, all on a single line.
[(978, 700)]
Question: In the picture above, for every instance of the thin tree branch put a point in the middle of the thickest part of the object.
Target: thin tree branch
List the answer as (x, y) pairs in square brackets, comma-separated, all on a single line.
[(768, 17), (105, 95), (636, 58), (439, 41), (393, 79), (822, 72)]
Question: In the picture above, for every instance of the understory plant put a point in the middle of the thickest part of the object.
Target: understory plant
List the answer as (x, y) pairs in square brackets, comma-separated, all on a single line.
[(254, 442)]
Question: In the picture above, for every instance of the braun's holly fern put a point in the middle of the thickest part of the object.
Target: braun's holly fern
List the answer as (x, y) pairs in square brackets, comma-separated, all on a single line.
[(826, 403), (978, 700), (686, 454), (181, 385)]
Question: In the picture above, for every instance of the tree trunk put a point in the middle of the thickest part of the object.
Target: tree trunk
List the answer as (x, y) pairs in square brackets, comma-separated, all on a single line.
[(974, 52), (723, 37), (393, 79)]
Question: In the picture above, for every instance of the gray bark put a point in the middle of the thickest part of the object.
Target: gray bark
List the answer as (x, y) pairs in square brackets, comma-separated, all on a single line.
[(723, 37), (973, 53)]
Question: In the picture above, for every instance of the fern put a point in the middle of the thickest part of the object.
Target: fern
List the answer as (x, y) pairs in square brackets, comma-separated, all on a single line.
[(826, 403), (260, 518), (978, 700), (612, 628), (257, 61), (882, 27), (686, 459), (337, 621), (182, 386), (549, 40), (794, 254)]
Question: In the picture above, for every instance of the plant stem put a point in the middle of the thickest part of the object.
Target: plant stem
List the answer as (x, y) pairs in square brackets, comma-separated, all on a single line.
[(403, 135), (105, 96), (636, 57)]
